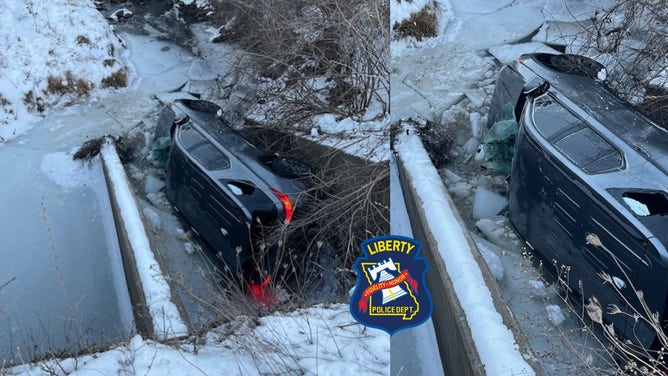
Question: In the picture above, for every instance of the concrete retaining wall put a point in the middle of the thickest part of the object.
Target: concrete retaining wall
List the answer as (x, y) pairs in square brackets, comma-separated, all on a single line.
[(457, 348), (143, 320)]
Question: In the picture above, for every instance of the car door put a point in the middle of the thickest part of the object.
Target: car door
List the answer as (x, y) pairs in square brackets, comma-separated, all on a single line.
[(609, 271)]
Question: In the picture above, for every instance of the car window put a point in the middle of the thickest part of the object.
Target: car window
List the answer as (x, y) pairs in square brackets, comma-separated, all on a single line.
[(574, 138), (589, 151), (202, 149), (190, 138), (211, 157), (551, 118)]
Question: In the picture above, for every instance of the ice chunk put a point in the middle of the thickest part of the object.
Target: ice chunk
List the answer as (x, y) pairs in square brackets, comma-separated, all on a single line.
[(314, 132), (554, 314), (602, 74), (202, 70), (498, 231), (476, 124), (153, 218), (451, 177), (487, 203), (476, 97), (188, 246), (153, 184), (460, 189), (158, 199), (471, 146), (507, 53), (492, 260), (636, 206)]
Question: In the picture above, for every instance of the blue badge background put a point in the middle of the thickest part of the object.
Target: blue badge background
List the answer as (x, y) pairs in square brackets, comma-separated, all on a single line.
[(417, 267)]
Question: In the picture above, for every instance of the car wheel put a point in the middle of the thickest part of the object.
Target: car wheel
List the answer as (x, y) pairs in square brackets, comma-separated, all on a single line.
[(290, 168)]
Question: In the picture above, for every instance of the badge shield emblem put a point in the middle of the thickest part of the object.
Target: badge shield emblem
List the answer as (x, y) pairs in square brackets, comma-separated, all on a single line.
[(391, 293)]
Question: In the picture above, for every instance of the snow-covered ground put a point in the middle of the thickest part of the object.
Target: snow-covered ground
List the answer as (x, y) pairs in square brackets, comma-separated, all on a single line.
[(320, 340), (49, 52)]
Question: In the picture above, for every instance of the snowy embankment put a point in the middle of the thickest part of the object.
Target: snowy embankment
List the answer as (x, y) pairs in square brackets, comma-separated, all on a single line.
[(167, 322), (52, 52), (493, 340), (322, 340)]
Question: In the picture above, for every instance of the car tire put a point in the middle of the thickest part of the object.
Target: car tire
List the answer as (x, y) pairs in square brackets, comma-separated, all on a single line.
[(290, 168)]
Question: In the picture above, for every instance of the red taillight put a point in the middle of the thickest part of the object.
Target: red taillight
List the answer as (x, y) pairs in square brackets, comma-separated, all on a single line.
[(261, 293), (287, 204)]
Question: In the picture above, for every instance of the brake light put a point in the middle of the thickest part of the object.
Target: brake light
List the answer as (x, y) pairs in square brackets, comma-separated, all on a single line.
[(261, 293), (287, 204)]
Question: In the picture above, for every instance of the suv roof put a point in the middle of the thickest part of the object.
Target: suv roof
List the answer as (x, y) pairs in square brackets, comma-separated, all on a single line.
[(572, 81), (576, 82)]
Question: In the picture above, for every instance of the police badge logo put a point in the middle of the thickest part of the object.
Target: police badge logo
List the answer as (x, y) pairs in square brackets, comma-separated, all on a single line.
[(391, 293)]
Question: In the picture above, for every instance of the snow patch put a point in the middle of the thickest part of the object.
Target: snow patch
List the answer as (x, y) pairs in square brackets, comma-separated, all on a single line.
[(555, 314)]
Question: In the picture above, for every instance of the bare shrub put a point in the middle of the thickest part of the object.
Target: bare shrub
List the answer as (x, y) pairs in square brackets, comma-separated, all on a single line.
[(422, 24), (343, 41), (348, 202), (631, 38), (622, 356), (437, 140), (117, 80), (82, 39)]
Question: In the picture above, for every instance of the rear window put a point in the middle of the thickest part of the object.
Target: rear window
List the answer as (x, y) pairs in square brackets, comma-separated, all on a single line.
[(644, 204)]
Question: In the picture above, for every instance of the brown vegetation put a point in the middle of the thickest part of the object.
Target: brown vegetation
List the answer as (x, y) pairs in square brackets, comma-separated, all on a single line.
[(344, 41), (117, 80), (422, 24)]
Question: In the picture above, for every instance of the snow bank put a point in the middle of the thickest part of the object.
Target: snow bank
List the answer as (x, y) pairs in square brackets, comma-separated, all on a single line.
[(167, 322), (46, 45), (495, 342), (321, 340)]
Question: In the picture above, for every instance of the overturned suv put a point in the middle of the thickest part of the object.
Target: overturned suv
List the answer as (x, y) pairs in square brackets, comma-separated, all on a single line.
[(221, 184), (589, 188)]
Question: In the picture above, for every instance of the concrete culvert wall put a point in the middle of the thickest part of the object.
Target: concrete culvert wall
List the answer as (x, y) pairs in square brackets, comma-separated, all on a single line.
[(475, 336)]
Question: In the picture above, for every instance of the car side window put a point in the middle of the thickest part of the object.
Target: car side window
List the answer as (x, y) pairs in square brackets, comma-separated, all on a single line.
[(202, 149), (574, 138), (211, 157), (189, 138), (551, 118)]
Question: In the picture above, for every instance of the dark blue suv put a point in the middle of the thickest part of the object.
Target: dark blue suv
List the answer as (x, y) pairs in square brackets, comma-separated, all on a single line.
[(589, 187), (221, 184)]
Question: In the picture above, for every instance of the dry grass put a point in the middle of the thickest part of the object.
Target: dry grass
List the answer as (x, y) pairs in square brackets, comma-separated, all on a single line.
[(117, 80), (68, 85), (423, 24)]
